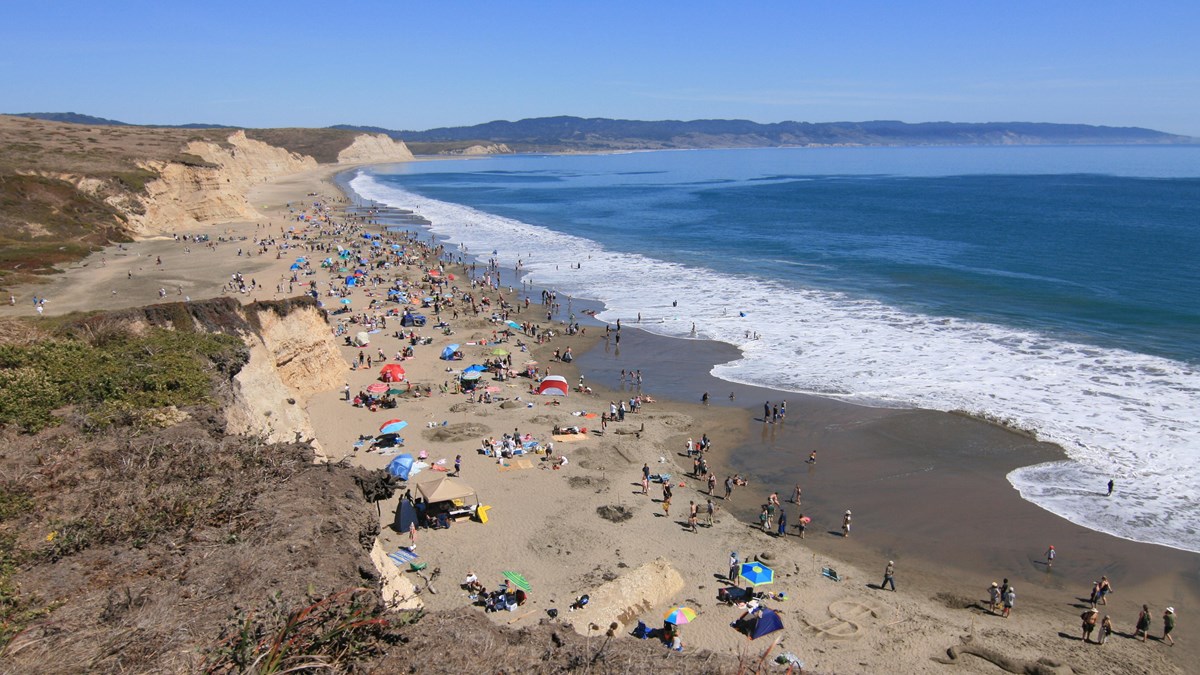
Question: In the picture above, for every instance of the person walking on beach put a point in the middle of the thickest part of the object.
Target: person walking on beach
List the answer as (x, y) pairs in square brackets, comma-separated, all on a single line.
[(801, 524), (767, 412), (1050, 557), (796, 494), (782, 524), (712, 484), (846, 524), (1105, 589), (728, 486), (1168, 626), (1105, 629), (1090, 618), (812, 457), (1143, 623), (1010, 599), (457, 465), (889, 573), (692, 516), (733, 568), (1095, 593), (1110, 487), (993, 597), (711, 511), (764, 520)]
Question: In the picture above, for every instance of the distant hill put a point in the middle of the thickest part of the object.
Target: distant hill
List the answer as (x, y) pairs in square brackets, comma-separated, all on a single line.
[(599, 134), (77, 118)]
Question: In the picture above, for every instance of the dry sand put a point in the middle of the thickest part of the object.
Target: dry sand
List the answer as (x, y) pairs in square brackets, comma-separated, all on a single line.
[(546, 525)]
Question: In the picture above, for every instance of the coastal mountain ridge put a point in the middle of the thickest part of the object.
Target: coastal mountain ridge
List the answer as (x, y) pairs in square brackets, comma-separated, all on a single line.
[(599, 134), (576, 134)]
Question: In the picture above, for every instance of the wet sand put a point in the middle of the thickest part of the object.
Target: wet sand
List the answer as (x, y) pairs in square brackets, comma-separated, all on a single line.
[(926, 488)]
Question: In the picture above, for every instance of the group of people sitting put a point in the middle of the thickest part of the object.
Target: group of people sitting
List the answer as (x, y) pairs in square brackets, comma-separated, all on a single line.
[(510, 445), (372, 402), (504, 598)]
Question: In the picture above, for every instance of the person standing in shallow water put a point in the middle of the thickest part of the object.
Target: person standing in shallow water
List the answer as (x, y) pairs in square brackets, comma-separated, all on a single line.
[(846, 524)]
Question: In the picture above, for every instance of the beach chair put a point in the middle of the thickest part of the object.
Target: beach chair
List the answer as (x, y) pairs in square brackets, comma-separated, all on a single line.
[(830, 573)]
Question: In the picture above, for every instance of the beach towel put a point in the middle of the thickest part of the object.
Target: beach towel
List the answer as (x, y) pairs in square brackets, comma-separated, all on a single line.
[(569, 438), (403, 557)]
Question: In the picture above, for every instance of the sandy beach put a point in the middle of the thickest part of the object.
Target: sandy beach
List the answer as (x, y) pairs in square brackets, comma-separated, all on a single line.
[(927, 490)]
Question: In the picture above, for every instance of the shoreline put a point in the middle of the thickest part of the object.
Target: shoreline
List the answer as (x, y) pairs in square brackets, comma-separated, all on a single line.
[(1002, 533), (545, 524)]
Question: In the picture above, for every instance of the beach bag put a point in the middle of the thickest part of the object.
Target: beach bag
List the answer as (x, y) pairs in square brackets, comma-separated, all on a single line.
[(642, 631)]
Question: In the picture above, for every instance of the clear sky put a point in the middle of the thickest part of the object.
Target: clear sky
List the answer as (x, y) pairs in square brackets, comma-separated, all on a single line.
[(417, 65)]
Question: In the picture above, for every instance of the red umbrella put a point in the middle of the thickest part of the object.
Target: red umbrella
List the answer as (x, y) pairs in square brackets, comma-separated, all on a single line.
[(389, 422), (377, 388)]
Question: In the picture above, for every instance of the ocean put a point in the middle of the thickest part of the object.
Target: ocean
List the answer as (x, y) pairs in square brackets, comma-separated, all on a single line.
[(1055, 289)]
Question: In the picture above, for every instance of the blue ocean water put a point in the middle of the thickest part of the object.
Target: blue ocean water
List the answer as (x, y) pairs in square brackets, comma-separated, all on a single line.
[(1054, 288)]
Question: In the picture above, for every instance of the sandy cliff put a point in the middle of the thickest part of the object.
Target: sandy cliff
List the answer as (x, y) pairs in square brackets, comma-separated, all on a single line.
[(185, 196), (188, 195), (367, 149), (292, 355)]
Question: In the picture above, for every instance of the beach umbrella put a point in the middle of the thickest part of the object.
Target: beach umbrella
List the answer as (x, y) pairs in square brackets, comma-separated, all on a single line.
[(469, 377), (680, 616), (302, 260), (396, 247), (513, 324), (517, 580), (434, 273), (377, 388), (392, 427), (294, 267), (757, 574), (499, 352), (345, 301)]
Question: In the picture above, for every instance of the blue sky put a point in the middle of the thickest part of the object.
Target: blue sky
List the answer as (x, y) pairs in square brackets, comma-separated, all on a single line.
[(417, 65)]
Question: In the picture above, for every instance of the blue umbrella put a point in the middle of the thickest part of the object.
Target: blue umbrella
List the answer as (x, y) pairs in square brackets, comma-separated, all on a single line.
[(301, 259), (514, 324), (757, 574), (294, 266), (345, 301), (392, 428), (396, 247)]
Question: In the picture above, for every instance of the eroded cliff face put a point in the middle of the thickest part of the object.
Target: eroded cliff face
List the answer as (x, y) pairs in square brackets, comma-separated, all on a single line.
[(377, 149), (292, 356), (185, 196)]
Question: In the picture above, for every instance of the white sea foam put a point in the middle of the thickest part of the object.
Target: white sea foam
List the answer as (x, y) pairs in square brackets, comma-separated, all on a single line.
[(1117, 413)]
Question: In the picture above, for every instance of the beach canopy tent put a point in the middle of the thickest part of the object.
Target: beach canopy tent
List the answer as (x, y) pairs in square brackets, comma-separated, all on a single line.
[(759, 623), (362, 339), (401, 466), (445, 489), (448, 352), (392, 372), (553, 385), (474, 368), (351, 280)]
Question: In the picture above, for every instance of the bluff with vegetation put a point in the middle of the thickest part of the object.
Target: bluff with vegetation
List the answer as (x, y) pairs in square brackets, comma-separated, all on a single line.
[(68, 188), (140, 531)]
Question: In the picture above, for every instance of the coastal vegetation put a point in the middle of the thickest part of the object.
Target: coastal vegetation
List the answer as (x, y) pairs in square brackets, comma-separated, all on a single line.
[(108, 374)]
